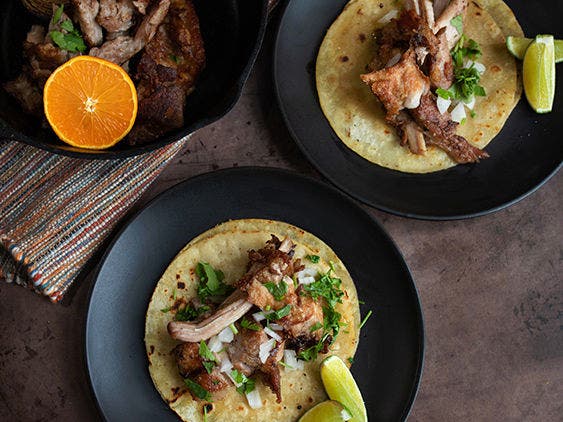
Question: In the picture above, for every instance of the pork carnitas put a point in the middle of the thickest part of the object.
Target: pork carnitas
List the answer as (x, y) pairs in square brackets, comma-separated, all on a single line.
[(268, 314), (412, 63), (158, 42)]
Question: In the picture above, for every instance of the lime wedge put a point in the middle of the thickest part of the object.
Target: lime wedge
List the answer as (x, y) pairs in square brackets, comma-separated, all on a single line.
[(327, 411), (539, 74), (518, 46), (340, 386)]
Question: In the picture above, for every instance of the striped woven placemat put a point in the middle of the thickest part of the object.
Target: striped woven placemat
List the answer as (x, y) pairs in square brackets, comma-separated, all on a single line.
[(55, 211)]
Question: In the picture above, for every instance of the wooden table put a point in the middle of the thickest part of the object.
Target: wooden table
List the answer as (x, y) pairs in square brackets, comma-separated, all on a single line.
[(491, 291)]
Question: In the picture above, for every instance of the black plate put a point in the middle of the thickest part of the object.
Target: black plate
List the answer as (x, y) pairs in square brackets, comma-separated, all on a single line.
[(524, 155), (389, 360), (232, 31)]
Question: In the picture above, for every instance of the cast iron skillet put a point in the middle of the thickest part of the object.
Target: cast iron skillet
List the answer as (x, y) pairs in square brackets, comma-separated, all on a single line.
[(232, 32), (388, 363), (525, 154)]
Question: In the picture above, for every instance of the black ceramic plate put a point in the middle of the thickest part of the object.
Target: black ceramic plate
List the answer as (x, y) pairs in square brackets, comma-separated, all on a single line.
[(389, 360), (523, 156), (232, 31)]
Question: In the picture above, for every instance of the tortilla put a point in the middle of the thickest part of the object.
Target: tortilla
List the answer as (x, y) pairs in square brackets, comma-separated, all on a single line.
[(358, 118), (225, 248)]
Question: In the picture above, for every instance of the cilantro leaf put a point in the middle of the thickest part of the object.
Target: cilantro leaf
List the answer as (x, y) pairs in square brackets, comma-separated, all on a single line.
[(313, 258), (327, 287), (279, 314), (365, 319), (312, 352), (277, 290), (247, 384), (205, 352), (211, 284), (189, 313), (249, 325), (457, 23), (67, 25), (70, 42), (315, 326), (57, 15), (444, 93), (351, 360), (197, 390)]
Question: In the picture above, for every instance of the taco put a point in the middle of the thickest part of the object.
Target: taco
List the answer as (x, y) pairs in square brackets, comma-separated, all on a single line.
[(238, 323), (443, 80)]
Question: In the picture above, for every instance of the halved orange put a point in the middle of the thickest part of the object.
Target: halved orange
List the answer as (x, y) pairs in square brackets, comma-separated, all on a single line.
[(90, 103)]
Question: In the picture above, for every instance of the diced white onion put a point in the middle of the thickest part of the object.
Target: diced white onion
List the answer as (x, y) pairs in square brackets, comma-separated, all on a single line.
[(306, 276), (388, 16), (272, 334), (345, 415), (394, 60), (276, 327), (265, 349), (443, 104), (258, 316), (290, 359), (458, 113), (480, 67), (227, 335), (226, 364), (471, 103), (254, 399), (215, 344)]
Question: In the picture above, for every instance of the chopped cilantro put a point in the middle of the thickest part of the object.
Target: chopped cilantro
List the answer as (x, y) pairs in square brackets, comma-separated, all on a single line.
[(312, 352), (313, 258), (174, 295), (279, 314), (189, 313), (205, 352), (315, 326), (249, 325), (174, 58), (165, 310), (365, 319), (57, 15), (247, 384), (465, 48), (351, 360), (208, 357), (277, 290), (233, 329), (197, 390), (71, 42), (473, 114), (457, 23), (361, 302), (211, 284)]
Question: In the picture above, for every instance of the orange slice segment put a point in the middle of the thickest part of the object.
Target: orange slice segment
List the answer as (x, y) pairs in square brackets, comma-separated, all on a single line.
[(90, 103)]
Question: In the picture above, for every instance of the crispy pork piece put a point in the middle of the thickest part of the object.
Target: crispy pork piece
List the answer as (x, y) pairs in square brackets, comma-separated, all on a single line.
[(442, 131), (213, 382), (439, 60), (141, 6), (167, 72), (443, 21), (244, 350), (271, 264), (393, 39), (399, 86), (410, 133), (116, 15), (232, 309), (187, 358), (305, 313), (122, 48), (86, 13), (271, 370)]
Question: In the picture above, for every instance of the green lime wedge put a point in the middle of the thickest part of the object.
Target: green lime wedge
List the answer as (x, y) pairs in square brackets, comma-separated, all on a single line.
[(327, 411), (518, 46), (340, 386), (539, 73)]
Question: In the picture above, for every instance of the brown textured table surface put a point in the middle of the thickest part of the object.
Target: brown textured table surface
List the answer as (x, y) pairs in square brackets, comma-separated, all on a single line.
[(491, 290)]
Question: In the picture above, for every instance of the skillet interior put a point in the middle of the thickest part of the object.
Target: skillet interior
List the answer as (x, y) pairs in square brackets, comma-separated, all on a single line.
[(232, 31)]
